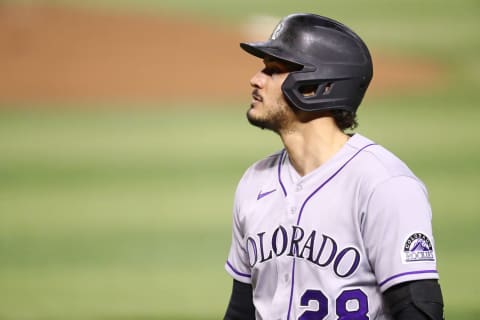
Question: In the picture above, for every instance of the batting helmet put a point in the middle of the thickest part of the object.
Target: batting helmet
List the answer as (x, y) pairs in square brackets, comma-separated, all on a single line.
[(335, 64)]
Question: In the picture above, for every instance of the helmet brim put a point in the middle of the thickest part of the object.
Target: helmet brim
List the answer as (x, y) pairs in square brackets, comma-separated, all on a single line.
[(267, 49)]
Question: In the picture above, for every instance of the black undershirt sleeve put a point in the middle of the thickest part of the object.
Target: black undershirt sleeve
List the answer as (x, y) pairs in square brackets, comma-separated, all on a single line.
[(415, 300), (241, 305)]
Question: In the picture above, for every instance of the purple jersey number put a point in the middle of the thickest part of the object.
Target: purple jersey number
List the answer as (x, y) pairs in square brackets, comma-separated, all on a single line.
[(314, 295), (350, 305)]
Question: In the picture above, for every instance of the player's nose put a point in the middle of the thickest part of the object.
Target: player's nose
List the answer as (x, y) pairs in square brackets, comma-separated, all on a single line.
[(258, 80)]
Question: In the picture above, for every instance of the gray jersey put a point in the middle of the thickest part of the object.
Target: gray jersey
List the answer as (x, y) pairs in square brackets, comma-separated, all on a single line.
[(326, 245)]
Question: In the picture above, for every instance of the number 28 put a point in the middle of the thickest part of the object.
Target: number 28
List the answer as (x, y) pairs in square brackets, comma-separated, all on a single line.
[(343, 311)]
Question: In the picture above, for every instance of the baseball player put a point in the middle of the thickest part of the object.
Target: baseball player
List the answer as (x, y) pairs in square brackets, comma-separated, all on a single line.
[(333, 226)]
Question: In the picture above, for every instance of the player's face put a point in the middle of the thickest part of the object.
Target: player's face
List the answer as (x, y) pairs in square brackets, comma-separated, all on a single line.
[(269, 109)]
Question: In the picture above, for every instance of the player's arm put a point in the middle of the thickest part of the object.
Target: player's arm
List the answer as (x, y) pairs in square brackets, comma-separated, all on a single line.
[(415, 300), (241, 305)]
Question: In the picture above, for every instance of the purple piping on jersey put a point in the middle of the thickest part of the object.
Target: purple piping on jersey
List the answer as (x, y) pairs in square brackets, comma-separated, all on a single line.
[(406, 274), (246, 275), (301, 211), (329, 179), (282, 156)]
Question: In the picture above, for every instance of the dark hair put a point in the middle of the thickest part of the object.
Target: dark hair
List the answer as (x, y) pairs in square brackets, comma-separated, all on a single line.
[(344, 119)]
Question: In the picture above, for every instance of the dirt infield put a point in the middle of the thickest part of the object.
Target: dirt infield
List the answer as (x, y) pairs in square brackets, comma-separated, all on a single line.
[(65, 54)]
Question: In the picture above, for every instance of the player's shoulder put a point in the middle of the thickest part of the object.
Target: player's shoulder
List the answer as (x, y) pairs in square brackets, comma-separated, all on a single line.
[(263, 167), (267, 163), (257, 175), (377, 160)]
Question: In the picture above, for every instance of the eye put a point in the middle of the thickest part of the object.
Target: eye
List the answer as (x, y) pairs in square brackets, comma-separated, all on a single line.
[(270, 70)]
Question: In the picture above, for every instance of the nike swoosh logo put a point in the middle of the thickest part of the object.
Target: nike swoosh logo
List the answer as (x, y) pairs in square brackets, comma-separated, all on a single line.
[(264, 194)]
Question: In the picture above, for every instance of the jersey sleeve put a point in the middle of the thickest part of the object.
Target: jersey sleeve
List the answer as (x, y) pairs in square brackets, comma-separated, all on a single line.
[(397, 232), (237, 264)]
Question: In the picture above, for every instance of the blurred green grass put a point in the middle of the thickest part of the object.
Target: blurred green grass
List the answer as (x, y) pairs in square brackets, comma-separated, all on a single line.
[(117, 214), (125, 214)]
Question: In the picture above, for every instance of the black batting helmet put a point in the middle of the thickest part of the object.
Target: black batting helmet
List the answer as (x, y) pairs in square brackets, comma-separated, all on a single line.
[(336, 66)]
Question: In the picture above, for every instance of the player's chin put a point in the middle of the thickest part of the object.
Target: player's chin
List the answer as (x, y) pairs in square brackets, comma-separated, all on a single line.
[(256, 120), (253, 113)]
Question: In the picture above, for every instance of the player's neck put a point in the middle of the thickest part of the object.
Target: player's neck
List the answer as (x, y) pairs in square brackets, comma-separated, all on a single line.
[(311, 144)]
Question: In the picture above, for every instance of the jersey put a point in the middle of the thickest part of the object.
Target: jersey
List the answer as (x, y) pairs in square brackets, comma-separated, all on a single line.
[(327, 244)]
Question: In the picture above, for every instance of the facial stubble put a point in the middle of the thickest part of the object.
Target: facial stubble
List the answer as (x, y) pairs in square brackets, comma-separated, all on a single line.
[(276, 118)]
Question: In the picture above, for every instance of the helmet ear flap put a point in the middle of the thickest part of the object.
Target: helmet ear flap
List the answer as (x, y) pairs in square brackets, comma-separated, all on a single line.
[(310, 92), (327, 88), (316, 89)]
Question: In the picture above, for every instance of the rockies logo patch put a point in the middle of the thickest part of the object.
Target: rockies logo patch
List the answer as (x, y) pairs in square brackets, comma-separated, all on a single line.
[(418, 248)]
